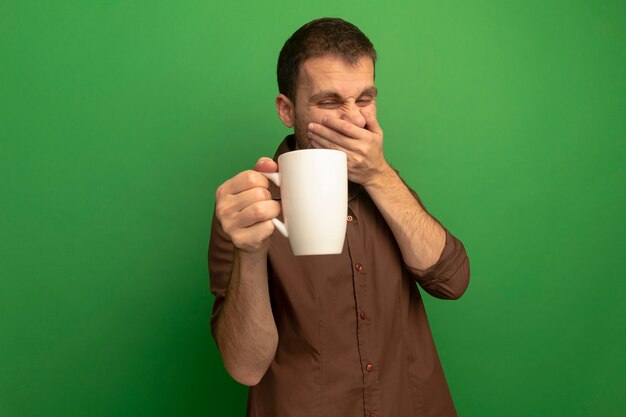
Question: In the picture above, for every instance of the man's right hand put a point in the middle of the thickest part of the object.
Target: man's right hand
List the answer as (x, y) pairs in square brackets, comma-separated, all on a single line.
[(245, 209)]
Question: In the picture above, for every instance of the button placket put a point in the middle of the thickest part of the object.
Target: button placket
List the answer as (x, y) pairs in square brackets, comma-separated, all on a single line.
[(356, 250)]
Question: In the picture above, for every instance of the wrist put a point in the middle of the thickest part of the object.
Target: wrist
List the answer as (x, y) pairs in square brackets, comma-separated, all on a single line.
[(252, 257), (251, 267), (382, 178)]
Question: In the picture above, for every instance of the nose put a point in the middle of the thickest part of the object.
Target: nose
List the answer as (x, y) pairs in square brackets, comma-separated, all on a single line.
[(353, 115)]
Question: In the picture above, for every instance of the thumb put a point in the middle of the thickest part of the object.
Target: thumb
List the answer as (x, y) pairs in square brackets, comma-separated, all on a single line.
[(265, 164)]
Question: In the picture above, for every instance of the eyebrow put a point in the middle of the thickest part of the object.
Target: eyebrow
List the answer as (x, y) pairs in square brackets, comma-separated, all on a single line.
[(326, 94)]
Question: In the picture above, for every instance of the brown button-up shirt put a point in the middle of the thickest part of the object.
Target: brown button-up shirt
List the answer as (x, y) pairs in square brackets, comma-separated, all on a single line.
[(354, 339)]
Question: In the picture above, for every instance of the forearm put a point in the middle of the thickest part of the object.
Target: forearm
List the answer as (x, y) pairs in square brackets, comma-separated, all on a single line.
[(420, 237), (246, 333)]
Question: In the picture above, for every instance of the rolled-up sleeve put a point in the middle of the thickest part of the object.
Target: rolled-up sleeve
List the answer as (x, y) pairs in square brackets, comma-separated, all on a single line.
[(447, 278)]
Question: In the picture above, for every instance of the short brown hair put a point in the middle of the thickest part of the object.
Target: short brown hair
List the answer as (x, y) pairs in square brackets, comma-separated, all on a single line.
[(320, 37)]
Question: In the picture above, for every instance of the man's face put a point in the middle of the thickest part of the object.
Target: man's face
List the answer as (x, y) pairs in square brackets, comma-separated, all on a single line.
[(329, 86)]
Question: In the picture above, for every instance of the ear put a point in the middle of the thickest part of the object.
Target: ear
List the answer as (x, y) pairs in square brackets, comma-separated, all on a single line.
[(284, 107)]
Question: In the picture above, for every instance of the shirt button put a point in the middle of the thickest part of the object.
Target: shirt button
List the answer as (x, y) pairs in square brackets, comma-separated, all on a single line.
[(349, 218), (369, 367), (363, 315), (358, 267)]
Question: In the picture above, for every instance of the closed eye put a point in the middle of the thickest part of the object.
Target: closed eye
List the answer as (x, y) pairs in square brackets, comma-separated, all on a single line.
[(329, 104)]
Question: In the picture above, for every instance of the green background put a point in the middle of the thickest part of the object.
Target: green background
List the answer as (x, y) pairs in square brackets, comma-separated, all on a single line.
[(119, 120)]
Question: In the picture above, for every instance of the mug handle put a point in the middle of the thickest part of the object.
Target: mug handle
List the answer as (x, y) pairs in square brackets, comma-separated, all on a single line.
[(275, 178)]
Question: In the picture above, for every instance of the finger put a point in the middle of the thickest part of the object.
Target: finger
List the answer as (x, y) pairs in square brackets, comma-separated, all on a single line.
[(320, 142), (371, 123), (318, 132), (251, 238), (266, 165), (256, 213), (345, 127), (230, 205), (241, 182)]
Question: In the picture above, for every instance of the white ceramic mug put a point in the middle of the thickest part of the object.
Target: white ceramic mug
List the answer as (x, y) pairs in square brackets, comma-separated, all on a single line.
[(314, 192)]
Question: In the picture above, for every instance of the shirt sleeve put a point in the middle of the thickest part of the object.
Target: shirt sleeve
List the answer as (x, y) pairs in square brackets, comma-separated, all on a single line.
[(447, 278), (221, 256)]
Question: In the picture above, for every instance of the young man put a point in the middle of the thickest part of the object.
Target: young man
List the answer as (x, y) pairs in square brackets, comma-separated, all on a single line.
[(337, 335)]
